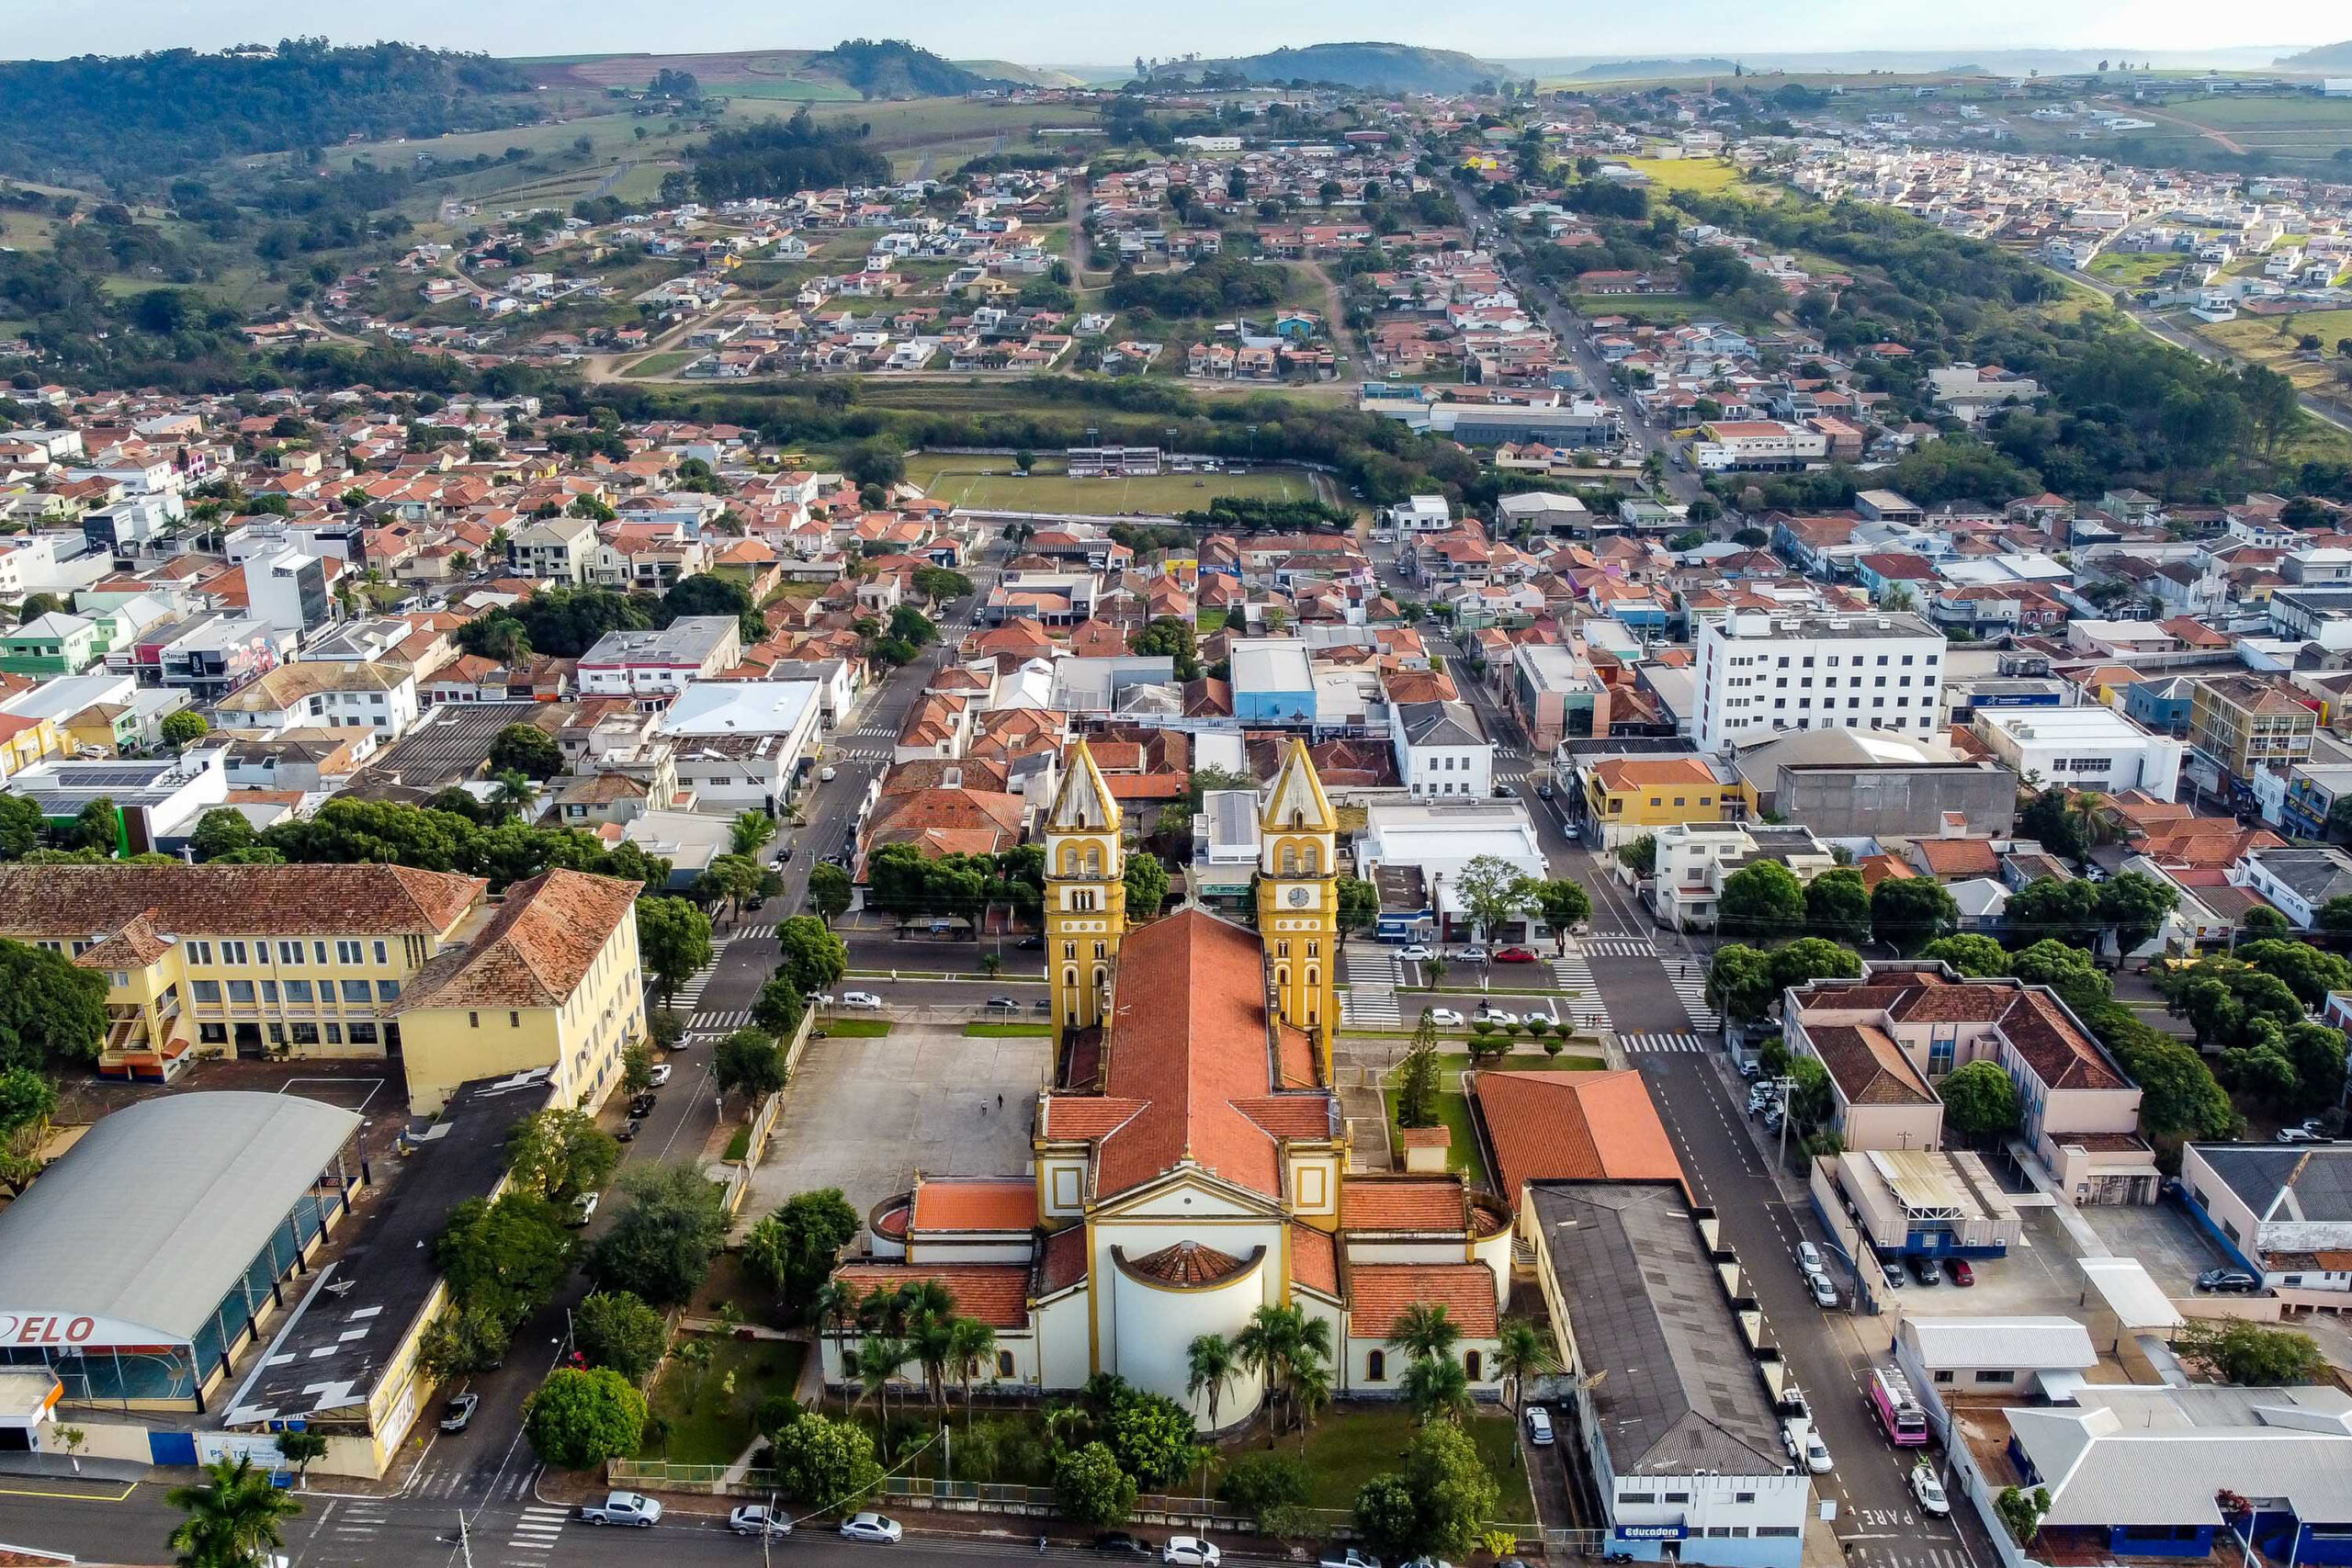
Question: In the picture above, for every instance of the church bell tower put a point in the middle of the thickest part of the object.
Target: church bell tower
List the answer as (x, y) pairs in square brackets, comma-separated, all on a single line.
[(1298, 900), (1086, 894)]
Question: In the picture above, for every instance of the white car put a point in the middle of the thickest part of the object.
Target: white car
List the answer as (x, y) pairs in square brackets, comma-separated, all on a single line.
[(661, 1076), (1808, 1257), (1414, 952), (1929, 1492), (1539, 1425), (1474, 956), (1824, 1294), (1816, 1453), (1445, 1017), (1496, 1015), (1190, 1552), (872, 1527), (861, 999), (752, 1518)]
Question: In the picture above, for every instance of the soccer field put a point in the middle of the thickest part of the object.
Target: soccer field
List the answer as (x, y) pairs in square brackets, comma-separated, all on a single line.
[(989, 484)]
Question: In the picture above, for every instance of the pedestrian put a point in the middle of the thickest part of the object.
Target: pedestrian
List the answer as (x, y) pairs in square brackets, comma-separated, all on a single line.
[(999, 1103)]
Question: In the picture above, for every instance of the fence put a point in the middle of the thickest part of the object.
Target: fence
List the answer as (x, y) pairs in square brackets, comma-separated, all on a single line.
[(739, 1175), (1038, 1502)]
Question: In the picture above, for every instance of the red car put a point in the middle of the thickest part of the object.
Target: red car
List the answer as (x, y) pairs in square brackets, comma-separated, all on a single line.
[(1961, 1274), (1514, 955)]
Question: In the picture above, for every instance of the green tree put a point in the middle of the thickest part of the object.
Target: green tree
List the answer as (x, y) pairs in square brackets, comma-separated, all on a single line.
[(1739, 982), (2071, 971), (503, 1259), (1091, 1489), (1762, 900), (1979, 1103), (28, 1100), (1810, 1101), (1418, 1079), (637, 1067), (223, 830), (750, 832), (730, 879), (98, 826), (661, 1243), (2305, 970), (2178, 1096), (749, 1062), (778, 1008), (2052, 906), (1435, 1390), (1153, 1438), (1493, 892), (1971, 956), (1523, 1352), (1639, 855), (1838, 906), (1147, 882), (578, 1420), (2262, 920), (2249, 1354), (2316, 1052), (2133, 907), (1425, 1331), (2022, 1512), (614, 1328), (1210, 1368), (2045, 818), (1169, 637), (300, 1450), (1813, 958), (183, 729), (825, 1463), (1359, 906), (558, 1157), (527, 749), (235, 1516), (1566, 905), (21, 826), (829, 891), (1912, 911), (51, 1012), (793, 1249), (813, 957), (1452, 1493), (1388, 1516)]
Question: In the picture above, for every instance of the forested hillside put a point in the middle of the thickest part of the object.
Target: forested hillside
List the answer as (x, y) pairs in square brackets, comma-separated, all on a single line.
[(776, 159), (139, 115)]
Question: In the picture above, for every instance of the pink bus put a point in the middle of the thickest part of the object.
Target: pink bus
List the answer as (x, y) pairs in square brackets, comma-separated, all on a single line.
[(1898, 1413)]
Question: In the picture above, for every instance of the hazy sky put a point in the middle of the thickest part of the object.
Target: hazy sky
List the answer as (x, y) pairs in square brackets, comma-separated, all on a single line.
[(1068, 31)]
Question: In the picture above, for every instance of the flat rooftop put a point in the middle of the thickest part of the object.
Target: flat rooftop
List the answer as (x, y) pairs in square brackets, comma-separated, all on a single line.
[(2042, 727)]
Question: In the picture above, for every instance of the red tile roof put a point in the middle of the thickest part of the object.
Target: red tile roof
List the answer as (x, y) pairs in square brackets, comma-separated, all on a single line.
[(1403, 1203), (1188, 1263), (1574, 1127), (1379, 1293), (974, 1204), (1315, 1259), (535, 950), (996, 1293)]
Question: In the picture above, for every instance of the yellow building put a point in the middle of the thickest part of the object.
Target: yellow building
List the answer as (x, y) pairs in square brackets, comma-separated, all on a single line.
[(552, 980), (1298, 898), (1628, 796), (24, 742), (249, 960), (1086, 893)]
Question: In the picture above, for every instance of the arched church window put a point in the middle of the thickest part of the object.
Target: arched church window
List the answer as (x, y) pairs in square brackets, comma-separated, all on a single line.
[(1069, 859), (1290, 860), (1093, 860), (1375, 1367), (1470, 1366), (1313, 861)]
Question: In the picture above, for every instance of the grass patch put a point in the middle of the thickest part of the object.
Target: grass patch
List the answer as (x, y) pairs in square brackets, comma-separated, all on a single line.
[(1705, 177), (990, 483), (1462, 1155), (1008, 1031), (739, 1144), (2272, 342), (1209, 620), (1348, 1448), (707, 1424), (668, 363), (858, 1028), (2134, 268)]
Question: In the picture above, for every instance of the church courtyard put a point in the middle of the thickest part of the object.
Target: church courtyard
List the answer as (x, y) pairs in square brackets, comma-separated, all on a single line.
[(865, 1114)]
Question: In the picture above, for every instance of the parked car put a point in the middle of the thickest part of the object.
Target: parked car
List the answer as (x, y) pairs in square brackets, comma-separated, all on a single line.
[(622, 1508), (755, 1518), (783, 858), (1119, 1543), (1815, 1451), (2228, 1282), (1962, 1271), (1808, 1257), (1539, 1425), (1002, 1004), (1031, 943), (1928, 1492), (1543, 789), (458, 1414), (1473, 953), (1347, 1557), (1514, 955), (627, 1134), (1414, 952), (584, 1210), (2295, 1136), (1824, 1294), (1571, 832), (1925, 1269), (828, 773), (1891, 1273), (642, 1104), (1190, 1552), (876, 1528), (866, 999), (661, 1074), (1491, 1014), (1445, 1017)]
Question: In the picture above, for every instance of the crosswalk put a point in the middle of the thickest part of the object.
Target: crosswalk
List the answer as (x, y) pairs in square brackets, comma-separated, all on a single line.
[(1651, 1044), (1690, 982), (745, 933), (1572, 975), (1510, 775), (872, 730), (356, 1522), (861, 754), (719, 1020), (1373, 967), (1370, 1007), (537, 1530), (1917, 1555), (1617, 947)]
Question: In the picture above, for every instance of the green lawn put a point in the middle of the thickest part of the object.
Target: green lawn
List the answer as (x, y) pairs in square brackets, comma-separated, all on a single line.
[(1209, 620), (668, 363), (1706, 176), (2133, 269), (990, 483), (858, 1028), (1007, 1030), (708, 1425), (1347, 1449), (1453, 1115)]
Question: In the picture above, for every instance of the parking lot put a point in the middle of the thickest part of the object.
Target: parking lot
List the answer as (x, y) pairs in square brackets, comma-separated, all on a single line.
[(865, 1114), (2167, 1243)]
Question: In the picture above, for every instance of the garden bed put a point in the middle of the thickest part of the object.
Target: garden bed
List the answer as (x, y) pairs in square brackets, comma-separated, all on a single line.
[(708, 1421)]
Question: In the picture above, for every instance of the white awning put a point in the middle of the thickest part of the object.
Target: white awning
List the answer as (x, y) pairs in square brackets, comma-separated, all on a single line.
[(2135, 1300)]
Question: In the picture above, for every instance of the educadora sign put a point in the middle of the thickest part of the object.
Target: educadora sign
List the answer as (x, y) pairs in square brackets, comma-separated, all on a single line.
[(1653, 1532)]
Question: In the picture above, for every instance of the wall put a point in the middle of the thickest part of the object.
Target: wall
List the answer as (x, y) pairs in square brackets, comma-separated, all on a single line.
[(1894, 1127), (1838, 803)]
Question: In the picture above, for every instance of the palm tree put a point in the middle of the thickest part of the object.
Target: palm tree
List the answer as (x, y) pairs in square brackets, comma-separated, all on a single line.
[(879, 1361), (514, 792), (971, 1345), (1424, 1332), (2088, 810), (1311, 1388), (933, 1340), (1210, 1364), (1434, 1388), (1522, 1351), (1263, 1347), (233, 1518)]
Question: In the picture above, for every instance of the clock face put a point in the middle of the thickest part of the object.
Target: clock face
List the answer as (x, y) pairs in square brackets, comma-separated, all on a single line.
[(1298, 896)]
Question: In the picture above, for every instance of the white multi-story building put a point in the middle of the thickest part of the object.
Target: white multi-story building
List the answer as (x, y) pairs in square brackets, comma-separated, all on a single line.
[(1441, 750), (1759, 674), (2083, 748), (661, 663)]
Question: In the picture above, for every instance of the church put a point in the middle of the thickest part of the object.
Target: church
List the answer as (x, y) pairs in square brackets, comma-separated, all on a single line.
[(1191, 1163)]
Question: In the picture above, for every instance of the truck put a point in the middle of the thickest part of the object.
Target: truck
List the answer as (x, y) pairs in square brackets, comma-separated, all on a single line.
[(621, 1509)]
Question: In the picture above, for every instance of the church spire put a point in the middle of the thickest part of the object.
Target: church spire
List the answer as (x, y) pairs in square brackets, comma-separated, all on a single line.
[(1084, 804), (1296, 803)]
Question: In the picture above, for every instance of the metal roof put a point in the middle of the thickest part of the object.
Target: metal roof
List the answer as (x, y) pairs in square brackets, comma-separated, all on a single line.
[(2041, 1344), (162, 1205)]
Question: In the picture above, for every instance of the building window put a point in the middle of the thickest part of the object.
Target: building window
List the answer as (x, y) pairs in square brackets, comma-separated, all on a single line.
[(1472, 1365), (1004, 1364), (473, 1020), (357, 992), (304, 1034), (513, 1020), (212, 1033), (1375, 1367), (382, 956), (363, 1034), (334, 1035), (206, 991), (1747, 1497), (1943, 1374), (1999, 1375), (349, 952)]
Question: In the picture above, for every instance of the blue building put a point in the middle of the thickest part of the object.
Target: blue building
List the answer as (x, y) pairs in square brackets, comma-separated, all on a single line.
[(2154, 1471), (1273, 681), (2160, 706)]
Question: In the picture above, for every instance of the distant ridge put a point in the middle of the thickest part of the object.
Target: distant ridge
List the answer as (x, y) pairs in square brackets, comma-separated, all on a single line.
[(1393, 67), (2328, 56)]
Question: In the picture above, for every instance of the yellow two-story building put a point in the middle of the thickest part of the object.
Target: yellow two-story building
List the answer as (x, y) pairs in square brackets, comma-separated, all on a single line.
[(552, 980), (1628, 796), (246, 959)]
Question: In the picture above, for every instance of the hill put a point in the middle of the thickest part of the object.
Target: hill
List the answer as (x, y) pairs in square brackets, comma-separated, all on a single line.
[(1647, 70), (1393, 67), (2327, 57), (141, 115), (1026, 75), (893, 68)]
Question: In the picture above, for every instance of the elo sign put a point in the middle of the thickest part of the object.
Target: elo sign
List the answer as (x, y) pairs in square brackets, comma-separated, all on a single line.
[(70, 1329)]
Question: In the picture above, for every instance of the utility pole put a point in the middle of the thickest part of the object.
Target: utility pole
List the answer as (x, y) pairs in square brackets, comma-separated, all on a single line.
[(1787, 1086)]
